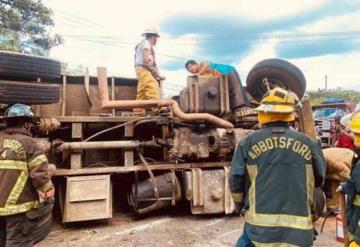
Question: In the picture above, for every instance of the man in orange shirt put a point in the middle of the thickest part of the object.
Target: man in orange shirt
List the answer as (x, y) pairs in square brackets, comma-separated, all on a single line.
[(237, 93)]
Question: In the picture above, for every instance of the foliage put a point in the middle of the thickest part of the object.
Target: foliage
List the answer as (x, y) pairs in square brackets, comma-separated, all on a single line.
[(350, 96), (25, 26)]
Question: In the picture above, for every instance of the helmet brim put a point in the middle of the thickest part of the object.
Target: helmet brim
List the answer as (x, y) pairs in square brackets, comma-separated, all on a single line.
[(275, 108), (27, 118), (154, 34)]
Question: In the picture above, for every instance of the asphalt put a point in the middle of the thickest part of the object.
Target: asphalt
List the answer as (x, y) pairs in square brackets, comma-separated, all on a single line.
[(168, 229)]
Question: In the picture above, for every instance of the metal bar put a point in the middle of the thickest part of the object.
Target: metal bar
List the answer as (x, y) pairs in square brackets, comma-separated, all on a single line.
[(344, 220), (136, 189), (63, 103), (173, 188), (87, 86), (130, 104), (306, 120), (104, 145), (154, 199), (123, 169), (113, 93), (95, 119)]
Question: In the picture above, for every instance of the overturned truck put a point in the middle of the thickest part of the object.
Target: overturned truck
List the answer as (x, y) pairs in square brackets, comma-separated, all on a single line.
[(106, 157)]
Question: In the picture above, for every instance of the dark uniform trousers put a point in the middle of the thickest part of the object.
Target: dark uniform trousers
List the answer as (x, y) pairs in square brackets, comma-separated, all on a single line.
[(16, 230), (23, 171)]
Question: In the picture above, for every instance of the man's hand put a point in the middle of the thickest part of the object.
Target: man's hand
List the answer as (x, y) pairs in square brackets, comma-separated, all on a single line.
[(162, 78), (48, 194), (341, 187), (239, 208)]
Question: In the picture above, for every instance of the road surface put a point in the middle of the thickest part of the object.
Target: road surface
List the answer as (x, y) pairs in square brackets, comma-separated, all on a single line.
[(167, 229)]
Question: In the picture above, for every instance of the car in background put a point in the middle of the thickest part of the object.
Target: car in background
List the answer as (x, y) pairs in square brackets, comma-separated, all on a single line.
[(327, 117)]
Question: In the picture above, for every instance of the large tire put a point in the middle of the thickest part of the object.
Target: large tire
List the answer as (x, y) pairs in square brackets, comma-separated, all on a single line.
[(28, 66), (28, 93), (279, 73)]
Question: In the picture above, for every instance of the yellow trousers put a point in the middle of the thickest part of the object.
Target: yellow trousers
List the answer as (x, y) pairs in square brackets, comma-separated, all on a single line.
[(148, 87)]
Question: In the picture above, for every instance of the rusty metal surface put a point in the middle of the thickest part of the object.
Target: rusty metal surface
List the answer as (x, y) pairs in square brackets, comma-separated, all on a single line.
[(189, 144), (206, 94), (123, 169), (48, 124), (208, 191), (104, 145), (88, 198), (130, 104)]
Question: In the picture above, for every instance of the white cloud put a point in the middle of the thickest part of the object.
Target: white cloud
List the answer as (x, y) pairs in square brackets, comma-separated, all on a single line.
[(342, 70), (175, 81), (119, 23), (340, 23), (258, 53)]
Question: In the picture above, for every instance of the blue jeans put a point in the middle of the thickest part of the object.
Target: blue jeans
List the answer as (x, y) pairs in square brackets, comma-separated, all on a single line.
[(244, 240)]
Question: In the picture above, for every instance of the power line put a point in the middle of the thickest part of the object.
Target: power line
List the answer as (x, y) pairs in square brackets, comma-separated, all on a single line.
[(78, 19), (124, 44), (222, 42), (254, 36)]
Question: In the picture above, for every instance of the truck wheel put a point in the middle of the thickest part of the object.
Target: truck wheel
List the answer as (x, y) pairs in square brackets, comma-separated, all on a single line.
[(28, 93), (28, 66), (279, 73)]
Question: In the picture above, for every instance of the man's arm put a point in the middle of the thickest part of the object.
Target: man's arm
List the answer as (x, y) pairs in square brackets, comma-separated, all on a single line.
[(319, 165), (204, 67), (148, 58), (39, 170), (238, 175), (149, 61)]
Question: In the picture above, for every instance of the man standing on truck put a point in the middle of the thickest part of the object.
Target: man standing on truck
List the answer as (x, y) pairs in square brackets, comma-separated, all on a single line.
[(147, 71), (273, 174), (236, 91), (24, 178)]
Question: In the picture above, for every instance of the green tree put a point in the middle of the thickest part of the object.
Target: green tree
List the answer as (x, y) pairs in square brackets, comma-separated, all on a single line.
[(350, 96), (25, 26)]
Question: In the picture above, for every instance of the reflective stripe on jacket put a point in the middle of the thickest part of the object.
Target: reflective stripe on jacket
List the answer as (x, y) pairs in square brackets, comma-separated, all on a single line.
[(277, 169), (23, 171)]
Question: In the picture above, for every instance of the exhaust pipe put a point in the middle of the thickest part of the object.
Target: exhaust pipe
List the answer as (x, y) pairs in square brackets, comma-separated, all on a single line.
[(106, 103)]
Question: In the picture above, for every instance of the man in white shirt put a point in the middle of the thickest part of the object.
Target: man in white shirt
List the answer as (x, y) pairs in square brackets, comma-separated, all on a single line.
[(146, 69)]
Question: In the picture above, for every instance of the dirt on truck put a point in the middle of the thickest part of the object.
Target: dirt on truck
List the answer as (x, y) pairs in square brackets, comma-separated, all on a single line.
[(109, 160)]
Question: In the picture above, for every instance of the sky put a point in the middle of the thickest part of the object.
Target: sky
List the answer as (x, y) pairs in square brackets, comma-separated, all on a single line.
[(321, 37)]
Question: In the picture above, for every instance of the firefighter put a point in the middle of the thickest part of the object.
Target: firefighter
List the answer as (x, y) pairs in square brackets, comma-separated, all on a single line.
[(146, 68), (24, 178), (352, 188), (273, 174)]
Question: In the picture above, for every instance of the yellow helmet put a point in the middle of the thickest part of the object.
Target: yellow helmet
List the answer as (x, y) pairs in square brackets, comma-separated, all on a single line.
[(354, 244), (278, 100), (355, 122)]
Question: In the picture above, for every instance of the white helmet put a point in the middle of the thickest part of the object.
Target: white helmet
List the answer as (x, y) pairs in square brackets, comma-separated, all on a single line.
[(151, 30)]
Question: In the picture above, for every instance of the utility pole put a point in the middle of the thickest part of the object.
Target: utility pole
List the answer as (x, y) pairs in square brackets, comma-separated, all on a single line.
[(326, 86)]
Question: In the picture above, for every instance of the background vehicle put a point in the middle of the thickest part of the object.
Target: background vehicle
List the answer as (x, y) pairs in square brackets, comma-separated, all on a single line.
[(327, 117), (109, 160)]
